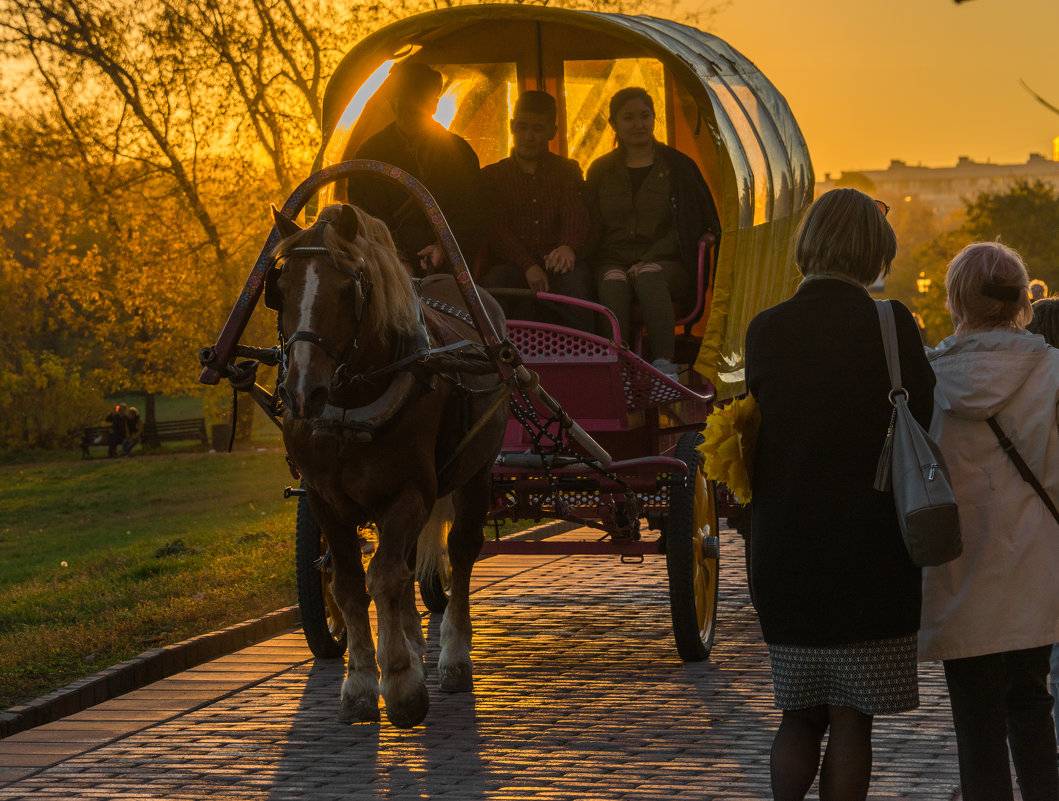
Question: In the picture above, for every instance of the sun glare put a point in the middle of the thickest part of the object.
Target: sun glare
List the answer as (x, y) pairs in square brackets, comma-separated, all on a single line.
[(448, 104), (356, 106)]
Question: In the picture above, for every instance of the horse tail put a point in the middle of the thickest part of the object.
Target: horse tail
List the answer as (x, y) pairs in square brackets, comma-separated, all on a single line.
[(433, 539)]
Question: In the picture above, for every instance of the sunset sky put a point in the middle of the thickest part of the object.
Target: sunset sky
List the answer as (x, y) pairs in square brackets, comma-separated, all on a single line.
[(924, 81)]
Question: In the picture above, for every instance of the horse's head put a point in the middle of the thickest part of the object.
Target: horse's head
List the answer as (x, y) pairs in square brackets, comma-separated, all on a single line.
[(342, 297)]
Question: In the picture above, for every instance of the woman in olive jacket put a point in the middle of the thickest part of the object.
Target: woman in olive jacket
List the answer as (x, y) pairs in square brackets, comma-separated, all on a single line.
[(649, 205), (836, 593)]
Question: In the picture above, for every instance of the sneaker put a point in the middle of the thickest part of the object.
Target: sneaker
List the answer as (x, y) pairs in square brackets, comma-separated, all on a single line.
[(666, 368)]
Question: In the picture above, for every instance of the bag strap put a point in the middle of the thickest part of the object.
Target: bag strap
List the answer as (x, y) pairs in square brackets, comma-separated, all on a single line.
[(1021, 466), (884, 467), (889, 338)]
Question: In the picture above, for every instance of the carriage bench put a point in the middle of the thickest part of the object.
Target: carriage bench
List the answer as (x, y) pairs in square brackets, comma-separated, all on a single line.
[(192, 428)]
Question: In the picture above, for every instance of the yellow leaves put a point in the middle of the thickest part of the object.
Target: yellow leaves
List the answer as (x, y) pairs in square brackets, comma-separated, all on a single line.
[(728, 449)]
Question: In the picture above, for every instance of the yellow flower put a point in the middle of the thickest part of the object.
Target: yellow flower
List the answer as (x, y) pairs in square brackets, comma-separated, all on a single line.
[(728, 449)]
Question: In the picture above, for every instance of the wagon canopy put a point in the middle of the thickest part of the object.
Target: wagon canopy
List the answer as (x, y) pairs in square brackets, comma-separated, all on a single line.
[(713, 104)]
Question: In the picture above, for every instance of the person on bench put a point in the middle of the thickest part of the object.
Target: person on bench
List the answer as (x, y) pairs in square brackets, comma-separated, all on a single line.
[(442, 161), (649, 206), (119, 428), (539, 223), (132, 430)]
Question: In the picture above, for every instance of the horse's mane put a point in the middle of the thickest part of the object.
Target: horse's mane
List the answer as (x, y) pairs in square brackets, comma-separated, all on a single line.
[(392, 307)]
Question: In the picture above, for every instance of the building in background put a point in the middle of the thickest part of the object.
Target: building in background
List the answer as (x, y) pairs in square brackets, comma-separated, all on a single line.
[(945, 190)]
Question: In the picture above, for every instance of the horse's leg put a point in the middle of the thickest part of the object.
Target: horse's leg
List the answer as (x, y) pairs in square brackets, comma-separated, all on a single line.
[(411, 622), (455, 670), (390, 585), (360, 689)]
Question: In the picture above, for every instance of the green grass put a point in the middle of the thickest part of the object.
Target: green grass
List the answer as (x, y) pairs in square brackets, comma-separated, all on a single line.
[(104, 559)]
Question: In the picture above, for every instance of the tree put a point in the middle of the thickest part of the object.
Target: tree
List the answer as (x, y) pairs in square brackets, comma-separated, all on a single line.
[(144, 140), (1025, 218)]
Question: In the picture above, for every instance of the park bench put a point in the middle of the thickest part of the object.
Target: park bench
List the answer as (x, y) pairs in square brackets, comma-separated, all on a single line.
[(192, 428), (94, 435), (185, 430)]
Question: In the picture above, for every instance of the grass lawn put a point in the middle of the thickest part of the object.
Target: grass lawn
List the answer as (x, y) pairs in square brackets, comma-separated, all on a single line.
[(103, 559)]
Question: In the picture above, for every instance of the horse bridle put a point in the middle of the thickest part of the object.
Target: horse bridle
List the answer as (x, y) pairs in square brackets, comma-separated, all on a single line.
[(362, 296)]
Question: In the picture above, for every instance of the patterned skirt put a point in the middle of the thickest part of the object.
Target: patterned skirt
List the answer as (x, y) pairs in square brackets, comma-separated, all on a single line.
[(876, 677)]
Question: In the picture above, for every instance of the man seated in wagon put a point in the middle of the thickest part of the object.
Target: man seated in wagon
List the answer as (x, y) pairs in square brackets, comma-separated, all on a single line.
[(539, 222), (441, 160)]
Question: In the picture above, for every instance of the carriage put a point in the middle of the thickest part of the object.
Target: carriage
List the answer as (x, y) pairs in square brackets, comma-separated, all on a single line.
[(596, 436)]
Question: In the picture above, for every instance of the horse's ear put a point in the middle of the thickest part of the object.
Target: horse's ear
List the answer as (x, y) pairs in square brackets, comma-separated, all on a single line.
[(284, 224), (347, 223)]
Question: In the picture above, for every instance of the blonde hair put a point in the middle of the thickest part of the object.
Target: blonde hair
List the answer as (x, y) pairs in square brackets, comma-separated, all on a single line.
[(845, 233), (988, 287)]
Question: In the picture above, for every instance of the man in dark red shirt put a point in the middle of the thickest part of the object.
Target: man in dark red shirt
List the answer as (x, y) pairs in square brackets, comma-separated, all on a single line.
[(539, 220)]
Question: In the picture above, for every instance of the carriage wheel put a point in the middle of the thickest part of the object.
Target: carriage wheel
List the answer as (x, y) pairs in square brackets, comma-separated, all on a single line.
[(693, 557), (434, 589), (322, 621)]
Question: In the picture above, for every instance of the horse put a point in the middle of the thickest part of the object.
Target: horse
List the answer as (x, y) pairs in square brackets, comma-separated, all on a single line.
[(378, 437)]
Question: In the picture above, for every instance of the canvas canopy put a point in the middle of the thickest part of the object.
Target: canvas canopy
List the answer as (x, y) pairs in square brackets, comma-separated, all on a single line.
[(712, 103)]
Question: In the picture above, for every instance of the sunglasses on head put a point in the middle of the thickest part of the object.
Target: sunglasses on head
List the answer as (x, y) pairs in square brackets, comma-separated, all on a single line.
[(882, 207)]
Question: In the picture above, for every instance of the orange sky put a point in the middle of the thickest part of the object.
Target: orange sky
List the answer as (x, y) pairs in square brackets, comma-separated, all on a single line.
[(924, 81)]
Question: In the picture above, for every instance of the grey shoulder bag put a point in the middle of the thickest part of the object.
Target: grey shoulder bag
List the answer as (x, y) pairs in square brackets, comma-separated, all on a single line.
[(911, 465)]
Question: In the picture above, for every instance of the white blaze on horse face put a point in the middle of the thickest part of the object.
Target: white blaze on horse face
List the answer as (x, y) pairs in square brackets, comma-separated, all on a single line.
[(301, 352)]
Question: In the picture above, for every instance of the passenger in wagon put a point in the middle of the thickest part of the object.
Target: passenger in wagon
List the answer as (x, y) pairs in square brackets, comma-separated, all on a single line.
[(539, 222), (442, 161), (649, 205)]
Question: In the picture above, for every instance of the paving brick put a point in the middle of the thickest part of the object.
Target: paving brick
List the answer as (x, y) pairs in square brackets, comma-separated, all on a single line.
[(578, 695)]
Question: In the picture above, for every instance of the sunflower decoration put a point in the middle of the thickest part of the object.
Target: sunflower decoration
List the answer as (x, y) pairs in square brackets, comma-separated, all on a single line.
[(728, 449)]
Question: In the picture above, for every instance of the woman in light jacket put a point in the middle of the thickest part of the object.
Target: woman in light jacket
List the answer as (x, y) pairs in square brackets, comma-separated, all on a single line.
[(993, 613)]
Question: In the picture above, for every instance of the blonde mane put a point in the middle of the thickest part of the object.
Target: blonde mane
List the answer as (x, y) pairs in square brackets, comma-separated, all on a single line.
[(392, 306)]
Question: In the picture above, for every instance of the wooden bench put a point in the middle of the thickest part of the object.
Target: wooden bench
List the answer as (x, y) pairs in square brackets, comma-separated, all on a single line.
[(152, 434), (192, 428), (94, 436)]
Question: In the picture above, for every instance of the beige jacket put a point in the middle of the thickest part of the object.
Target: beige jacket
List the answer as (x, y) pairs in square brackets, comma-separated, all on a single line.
[(1002, 593)]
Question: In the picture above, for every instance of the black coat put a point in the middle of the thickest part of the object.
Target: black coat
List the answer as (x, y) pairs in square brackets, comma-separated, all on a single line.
[(828, 563), (446, 165)]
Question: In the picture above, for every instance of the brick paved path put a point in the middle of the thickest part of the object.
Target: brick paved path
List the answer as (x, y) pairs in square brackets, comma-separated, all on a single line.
[(579, 695)]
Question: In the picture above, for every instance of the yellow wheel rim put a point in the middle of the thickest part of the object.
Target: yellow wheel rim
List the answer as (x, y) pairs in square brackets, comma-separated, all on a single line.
[(705, 553)]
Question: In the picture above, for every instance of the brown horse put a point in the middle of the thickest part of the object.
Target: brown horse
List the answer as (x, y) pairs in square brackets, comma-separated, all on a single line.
[(380, 438)]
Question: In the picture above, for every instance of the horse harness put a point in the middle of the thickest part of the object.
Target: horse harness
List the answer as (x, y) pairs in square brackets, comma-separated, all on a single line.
[(413, 366)]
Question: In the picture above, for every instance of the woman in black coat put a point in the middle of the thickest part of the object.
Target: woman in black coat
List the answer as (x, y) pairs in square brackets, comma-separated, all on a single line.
[(836, 593)]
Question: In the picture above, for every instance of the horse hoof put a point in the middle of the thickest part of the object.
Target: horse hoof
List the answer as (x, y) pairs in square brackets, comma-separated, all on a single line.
[(455, 679), (410, 712), (359, 710)]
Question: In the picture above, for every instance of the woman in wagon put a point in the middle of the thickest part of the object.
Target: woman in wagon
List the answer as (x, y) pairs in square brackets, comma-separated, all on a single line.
[(649, 205), (837, 595), (992, 615)]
